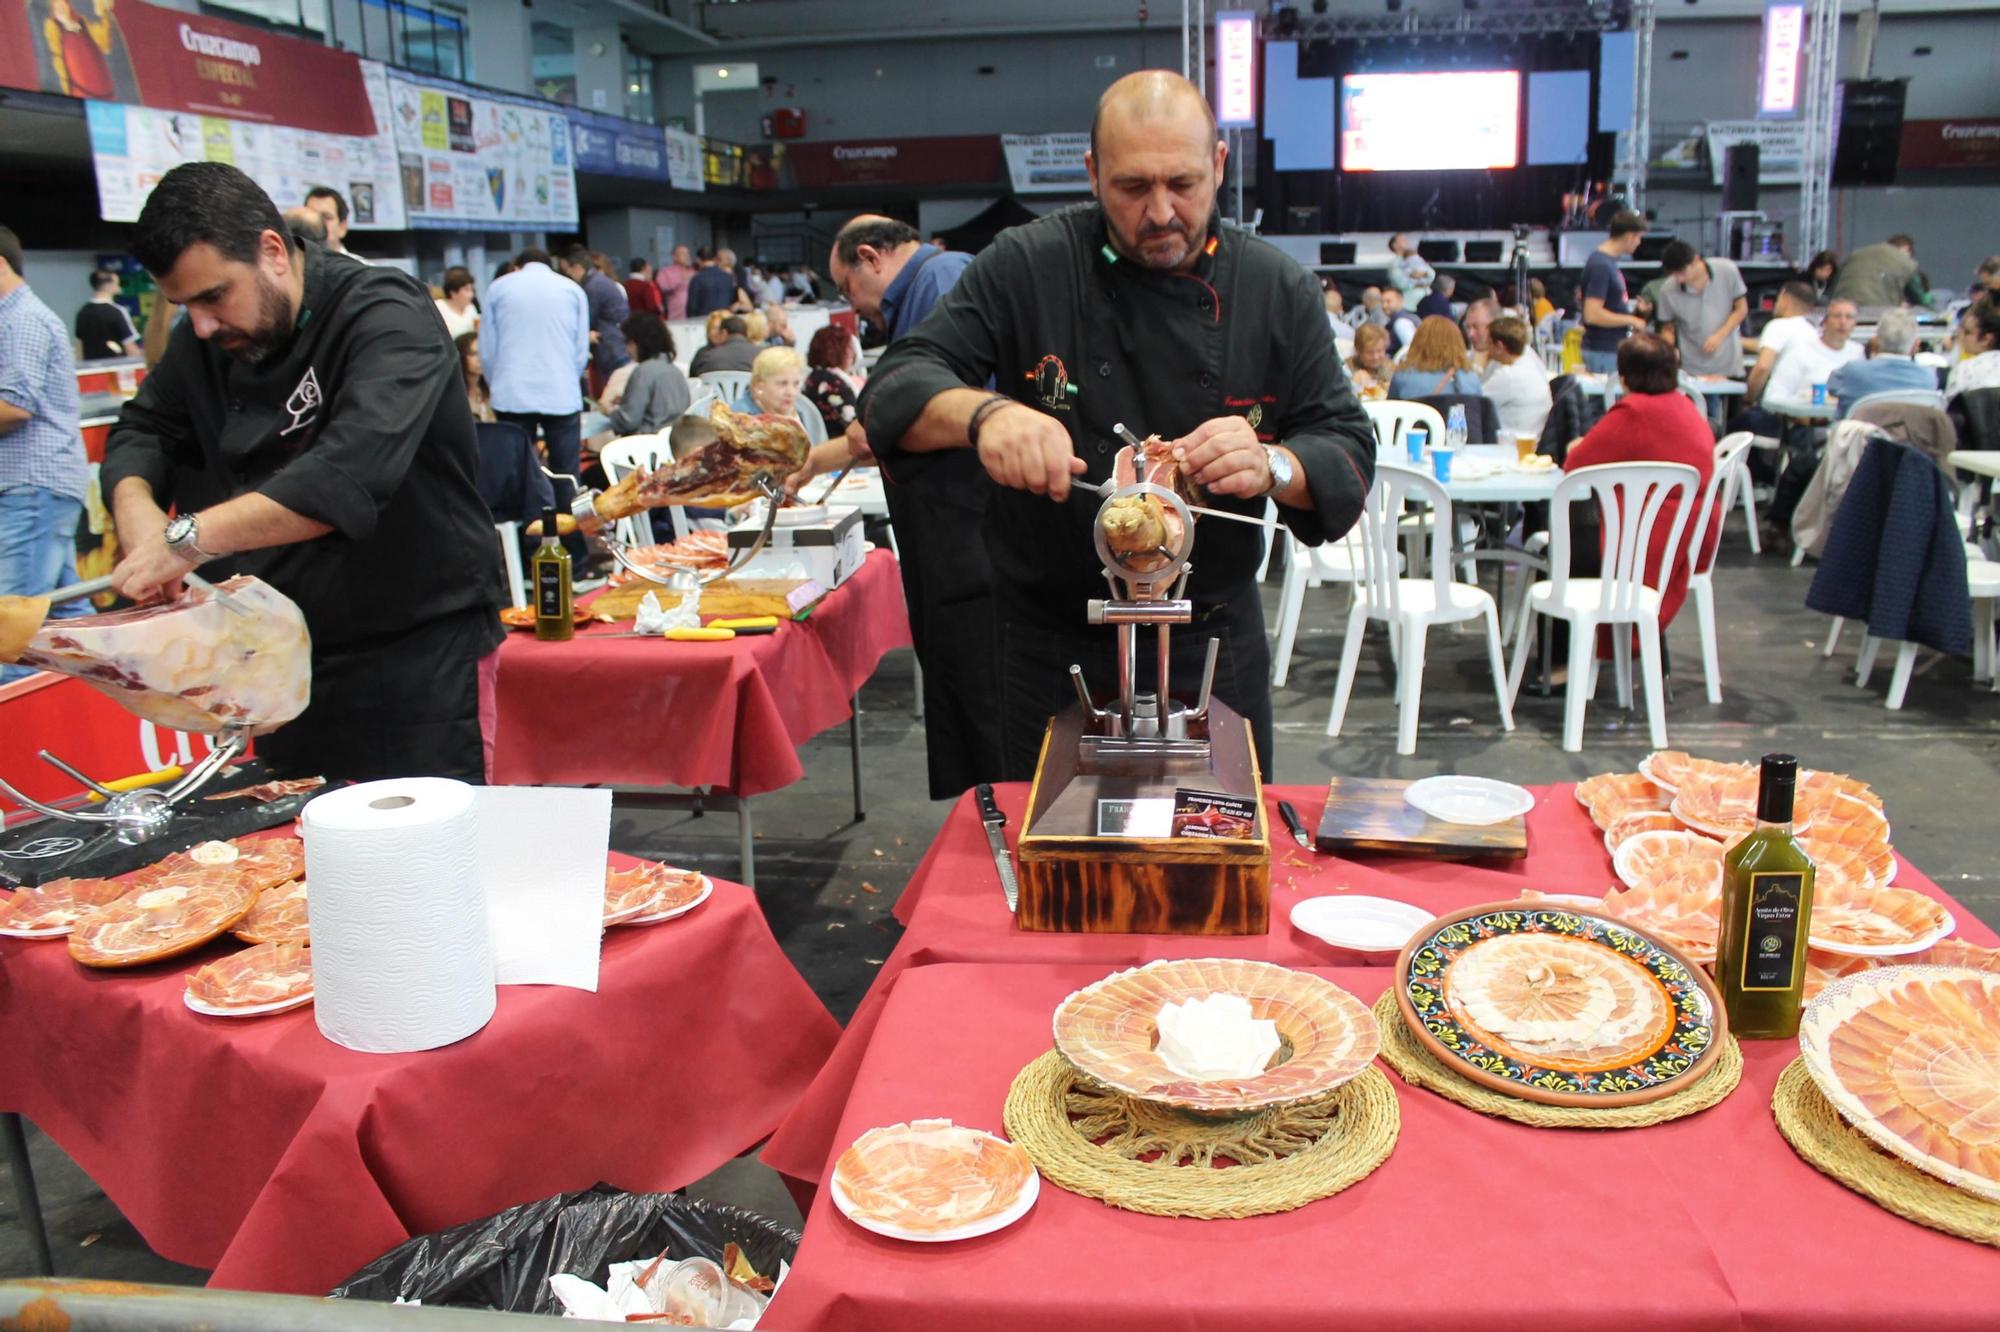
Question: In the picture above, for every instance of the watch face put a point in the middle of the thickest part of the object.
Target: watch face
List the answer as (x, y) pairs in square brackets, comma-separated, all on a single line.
[(177, 530)]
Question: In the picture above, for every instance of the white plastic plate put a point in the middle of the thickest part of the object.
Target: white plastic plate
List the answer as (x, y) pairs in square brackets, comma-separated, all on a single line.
[(1363, 924), (1628, 850), (707, 887), (985, 1225), (247, 1010), (1473, 801)]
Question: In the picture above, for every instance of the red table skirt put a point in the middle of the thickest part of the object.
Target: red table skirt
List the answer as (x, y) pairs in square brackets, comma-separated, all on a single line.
[(1707, 1222), (260, 1149), (601, 709), (955, 913)]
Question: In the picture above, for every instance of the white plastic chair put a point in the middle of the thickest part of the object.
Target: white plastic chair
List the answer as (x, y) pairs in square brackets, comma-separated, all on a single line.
[(510, 555), (811, 422), (728, 385), (1392, 418), (1732, 460), (1629, 498), (1311, 566), (624, 455), (1692, 392), (1410, 606), (1982, 580)]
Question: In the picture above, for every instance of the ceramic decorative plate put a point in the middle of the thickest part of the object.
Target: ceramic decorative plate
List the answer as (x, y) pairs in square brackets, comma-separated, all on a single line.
[(1911, 1057), (1559, 1006), (1109, 1031)]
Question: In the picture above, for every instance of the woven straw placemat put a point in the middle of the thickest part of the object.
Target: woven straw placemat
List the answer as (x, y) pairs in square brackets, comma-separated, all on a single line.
[(1420, 1068), (1834, 1147), (1088, 1139)]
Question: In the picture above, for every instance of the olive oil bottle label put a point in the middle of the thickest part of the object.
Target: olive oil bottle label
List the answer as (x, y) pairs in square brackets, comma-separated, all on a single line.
[(549, 591), (1771, 931)]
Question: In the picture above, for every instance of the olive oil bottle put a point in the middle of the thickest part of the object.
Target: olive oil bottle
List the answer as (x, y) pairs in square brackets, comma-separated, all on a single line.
[(549, 573), (1767, 897)]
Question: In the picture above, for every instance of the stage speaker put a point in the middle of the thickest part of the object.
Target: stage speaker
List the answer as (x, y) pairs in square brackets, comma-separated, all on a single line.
[(1483, 252), (1651, 246), (1871, 131), (1336, 252), (1438, 251), (1302, 219), (1739, 178)]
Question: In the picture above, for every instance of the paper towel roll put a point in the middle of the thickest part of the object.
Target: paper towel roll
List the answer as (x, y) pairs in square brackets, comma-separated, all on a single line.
[(402, 950)]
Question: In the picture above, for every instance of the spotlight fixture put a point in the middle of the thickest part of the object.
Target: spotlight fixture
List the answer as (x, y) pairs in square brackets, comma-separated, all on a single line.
[(1284, 21), (1395, 6), (1319, 6)]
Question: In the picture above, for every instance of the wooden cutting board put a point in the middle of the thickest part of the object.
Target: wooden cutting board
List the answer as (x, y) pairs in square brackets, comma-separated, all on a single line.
[(1370, 814), (719, 600)]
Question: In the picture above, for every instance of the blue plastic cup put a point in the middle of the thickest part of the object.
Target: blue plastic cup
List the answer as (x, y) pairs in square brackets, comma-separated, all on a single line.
[(1414, 439), (1819, 395), (1441, 465)]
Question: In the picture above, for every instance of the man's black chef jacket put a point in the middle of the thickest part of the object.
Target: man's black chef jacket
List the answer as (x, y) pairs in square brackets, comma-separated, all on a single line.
[(360, 422), (1072, 330)]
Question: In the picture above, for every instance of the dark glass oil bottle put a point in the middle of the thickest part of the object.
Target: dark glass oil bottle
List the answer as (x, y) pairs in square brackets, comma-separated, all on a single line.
[(1767, 896), (549, 574)]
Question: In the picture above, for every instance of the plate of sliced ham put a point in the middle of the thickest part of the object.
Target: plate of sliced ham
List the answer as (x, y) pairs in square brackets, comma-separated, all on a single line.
[(269, 978), (931, 1181)]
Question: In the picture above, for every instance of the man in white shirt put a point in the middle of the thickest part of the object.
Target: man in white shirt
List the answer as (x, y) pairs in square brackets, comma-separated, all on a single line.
[(1790, 319), (331, 205), (1806, 362), (1515, 380), (1408, 271)]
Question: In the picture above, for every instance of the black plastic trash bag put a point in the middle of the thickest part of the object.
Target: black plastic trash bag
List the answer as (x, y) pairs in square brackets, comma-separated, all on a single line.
[(505, 1261)]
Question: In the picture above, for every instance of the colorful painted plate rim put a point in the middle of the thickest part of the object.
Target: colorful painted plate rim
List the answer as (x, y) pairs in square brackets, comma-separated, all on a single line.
[(707, 887), (1305, 911), (985, 1225), (1917, 945), (247, 1010), (1519, 1086), (1620, 857), (1432, 794), (1817, 1025)]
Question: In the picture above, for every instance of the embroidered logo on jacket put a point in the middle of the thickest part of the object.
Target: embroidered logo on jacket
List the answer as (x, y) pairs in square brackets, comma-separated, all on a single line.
[(1051, 380), (303, 404)]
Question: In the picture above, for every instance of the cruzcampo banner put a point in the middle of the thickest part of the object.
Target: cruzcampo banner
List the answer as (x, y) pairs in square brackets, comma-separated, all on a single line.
[(138, 54)]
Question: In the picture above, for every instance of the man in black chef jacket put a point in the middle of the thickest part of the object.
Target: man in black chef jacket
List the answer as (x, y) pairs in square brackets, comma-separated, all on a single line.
[(1144, 310), (309, 425)]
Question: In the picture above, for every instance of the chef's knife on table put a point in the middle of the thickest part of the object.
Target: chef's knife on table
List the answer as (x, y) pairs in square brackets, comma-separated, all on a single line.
[(1292, 821), (996, 842)]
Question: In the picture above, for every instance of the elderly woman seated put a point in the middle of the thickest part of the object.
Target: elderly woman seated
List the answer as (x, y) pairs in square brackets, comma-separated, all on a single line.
[(776, 378), (1369, 369), (1436, 362)]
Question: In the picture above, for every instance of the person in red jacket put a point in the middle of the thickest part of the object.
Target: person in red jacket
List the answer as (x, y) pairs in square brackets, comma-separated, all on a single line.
[(1654, 422), (640, 292)]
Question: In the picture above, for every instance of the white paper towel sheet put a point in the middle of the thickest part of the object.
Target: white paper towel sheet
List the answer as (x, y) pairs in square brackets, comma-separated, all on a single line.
[(428, 892)]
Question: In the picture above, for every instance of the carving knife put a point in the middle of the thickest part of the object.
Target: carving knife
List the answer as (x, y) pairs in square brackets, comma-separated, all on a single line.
[(996, 842), (1292, 821)]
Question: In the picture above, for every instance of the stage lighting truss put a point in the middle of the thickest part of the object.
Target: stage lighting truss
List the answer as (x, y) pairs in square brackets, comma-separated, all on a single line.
[(1494, 18)]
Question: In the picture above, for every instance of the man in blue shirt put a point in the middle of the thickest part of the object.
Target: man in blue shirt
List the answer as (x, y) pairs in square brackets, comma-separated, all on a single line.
[(43, 472), (535, 343), (609, 309), (1607, 309), (893, 280), (711, 288), (1891, 369)]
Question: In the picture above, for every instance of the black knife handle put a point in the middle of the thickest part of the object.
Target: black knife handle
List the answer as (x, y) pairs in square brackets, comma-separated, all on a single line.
[(989, 808), (1292, 821)]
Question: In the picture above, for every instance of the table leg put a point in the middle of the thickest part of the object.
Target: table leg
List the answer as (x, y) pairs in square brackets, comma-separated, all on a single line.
[(15, 1139), (854, 755), (745, 854)]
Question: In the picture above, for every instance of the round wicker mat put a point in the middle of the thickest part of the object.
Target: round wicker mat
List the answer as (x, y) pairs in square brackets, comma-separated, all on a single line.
[(1831, 1146), (1420, 1068), (1088, 1140)]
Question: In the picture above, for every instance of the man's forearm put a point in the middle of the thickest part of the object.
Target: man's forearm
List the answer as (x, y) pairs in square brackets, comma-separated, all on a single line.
[(12, 418), (1737, 314), (254, 522), (943, 422)]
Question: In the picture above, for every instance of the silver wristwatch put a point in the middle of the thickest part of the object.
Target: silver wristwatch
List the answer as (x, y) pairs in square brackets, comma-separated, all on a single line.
[(183, 536), (1281, 468)]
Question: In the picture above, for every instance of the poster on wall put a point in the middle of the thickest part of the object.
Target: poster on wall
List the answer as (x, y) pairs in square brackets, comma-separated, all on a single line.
[(484, 160), (1046, 163), (131, 147), (614, 146), (1781, 147), (141, 54), (684, 160)]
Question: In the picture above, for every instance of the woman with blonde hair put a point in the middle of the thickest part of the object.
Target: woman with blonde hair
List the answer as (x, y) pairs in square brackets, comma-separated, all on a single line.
[(1436, 362), (1368, 369), (757, 327)]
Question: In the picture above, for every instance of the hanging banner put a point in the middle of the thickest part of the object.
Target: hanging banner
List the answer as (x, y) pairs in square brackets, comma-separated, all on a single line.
[(140, 54), (1046, 163), (131, 147), (964, 159), (614, 146), (684, 160), (1781, 147), (480, 160), (1950, 145)]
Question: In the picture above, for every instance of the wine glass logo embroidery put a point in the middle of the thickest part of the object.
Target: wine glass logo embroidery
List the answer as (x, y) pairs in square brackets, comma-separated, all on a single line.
[(303, 404)]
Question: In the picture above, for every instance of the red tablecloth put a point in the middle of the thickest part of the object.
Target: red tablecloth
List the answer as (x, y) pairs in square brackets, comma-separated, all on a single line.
[(602, 709), (1707, 1222), (259, 1148), (955, 913)]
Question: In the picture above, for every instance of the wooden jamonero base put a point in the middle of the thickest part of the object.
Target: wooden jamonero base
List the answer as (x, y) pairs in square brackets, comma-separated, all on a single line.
[(1074, 881)]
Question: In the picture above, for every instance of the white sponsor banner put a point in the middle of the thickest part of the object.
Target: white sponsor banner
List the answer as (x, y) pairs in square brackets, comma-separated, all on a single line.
[(131, 147), (1046, 163), (481, 160), (1781, 147), (684, 160)]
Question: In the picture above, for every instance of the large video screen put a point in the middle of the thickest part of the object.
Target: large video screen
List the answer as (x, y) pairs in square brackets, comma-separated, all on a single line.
[(1442, 121)]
